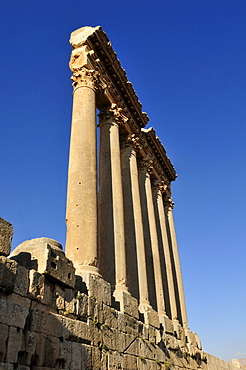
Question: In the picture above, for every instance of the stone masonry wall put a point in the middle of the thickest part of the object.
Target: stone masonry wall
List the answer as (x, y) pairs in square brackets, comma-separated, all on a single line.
[(46, 324)]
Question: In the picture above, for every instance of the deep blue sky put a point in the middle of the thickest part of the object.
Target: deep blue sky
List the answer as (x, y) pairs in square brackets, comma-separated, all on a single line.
[(186, 60)]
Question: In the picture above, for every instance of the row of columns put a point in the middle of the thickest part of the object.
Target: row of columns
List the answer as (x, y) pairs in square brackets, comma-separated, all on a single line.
[(135, 232)]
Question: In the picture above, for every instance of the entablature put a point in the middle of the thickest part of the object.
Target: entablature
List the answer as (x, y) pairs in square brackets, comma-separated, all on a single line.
[(92, 51)]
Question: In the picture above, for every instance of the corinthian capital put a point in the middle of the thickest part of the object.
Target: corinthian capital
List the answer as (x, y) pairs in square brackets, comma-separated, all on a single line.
[(169, 204), (146, 164), (161, 186), (85, 77), (112, 115), (130, 140)]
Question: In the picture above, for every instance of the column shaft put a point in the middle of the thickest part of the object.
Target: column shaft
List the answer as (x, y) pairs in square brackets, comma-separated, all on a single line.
[(133, 222), (150, 224), (177, 266), (81, 215), (111, 213), (160, 216)]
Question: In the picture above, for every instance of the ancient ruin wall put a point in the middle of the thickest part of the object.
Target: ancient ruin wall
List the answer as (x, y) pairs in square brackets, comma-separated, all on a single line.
[(45, 323)]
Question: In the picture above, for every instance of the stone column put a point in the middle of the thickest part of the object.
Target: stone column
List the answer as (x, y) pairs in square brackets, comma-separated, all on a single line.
[(133, 220), (150, 224), (112, 256), (174, 246), (81, 217), (158, 191)]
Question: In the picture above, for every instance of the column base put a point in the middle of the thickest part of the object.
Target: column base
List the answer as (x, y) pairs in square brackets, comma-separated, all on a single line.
[(167, 324), (150, 315), (81, 269), (128, 304), (97, 287)]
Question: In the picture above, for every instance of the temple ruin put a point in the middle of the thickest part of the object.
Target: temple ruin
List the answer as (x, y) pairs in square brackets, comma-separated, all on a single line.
[(116, 299)]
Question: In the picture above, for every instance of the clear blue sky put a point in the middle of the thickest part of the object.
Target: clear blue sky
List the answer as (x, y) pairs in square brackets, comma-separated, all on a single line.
[(186, 60)]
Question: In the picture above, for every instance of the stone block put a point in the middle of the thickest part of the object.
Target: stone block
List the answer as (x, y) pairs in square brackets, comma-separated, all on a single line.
[(80, 305), (95, 333), (153, 318), (110, 316), (44, 322), (129, 362), (172, 343), (13, 314), (97, 288), (37, 284), (64, 359), (152, 334), (76, 356), (8, 270), (109, 337), (146, 349), (131, 325), (198, 341), (4, 333), (21, 285), (35, 344), (167, 324), (133, 346), (121, 342), (16, 345), (145, 364), (51, 353), (75, 330), (160, 354), (115, 361), (96, 360), (179, 330), (128, 304), (6, 367), (19, 300), (31, 356), (6, 235), (49, 257), (86, 354)]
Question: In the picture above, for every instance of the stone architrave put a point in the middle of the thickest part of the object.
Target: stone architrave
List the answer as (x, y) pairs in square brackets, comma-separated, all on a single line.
[(6, 235), (150, 225), (111, 212), (133, 221), (174, 246), (158, 191), (81, 216)]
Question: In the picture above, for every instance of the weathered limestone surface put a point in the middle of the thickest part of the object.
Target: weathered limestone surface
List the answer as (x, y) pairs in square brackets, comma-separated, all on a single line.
[(49, 325), (46, 256), (6, 235)]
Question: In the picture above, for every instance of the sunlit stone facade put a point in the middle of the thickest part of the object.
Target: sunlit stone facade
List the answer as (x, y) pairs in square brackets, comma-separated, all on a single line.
[(119, 208)]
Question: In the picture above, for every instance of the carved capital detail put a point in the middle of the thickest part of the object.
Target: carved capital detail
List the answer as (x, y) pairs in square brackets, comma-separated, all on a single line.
[(161, 186), (146, 164), (169, 204), (112, 115), (130, 140), (85, 77)]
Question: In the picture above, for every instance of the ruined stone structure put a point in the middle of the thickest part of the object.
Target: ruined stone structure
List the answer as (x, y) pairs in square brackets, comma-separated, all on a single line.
[(116, 299)]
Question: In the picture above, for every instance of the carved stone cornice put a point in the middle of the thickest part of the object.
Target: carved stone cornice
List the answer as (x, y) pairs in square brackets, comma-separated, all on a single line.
[(111, 115), (159, 152)]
